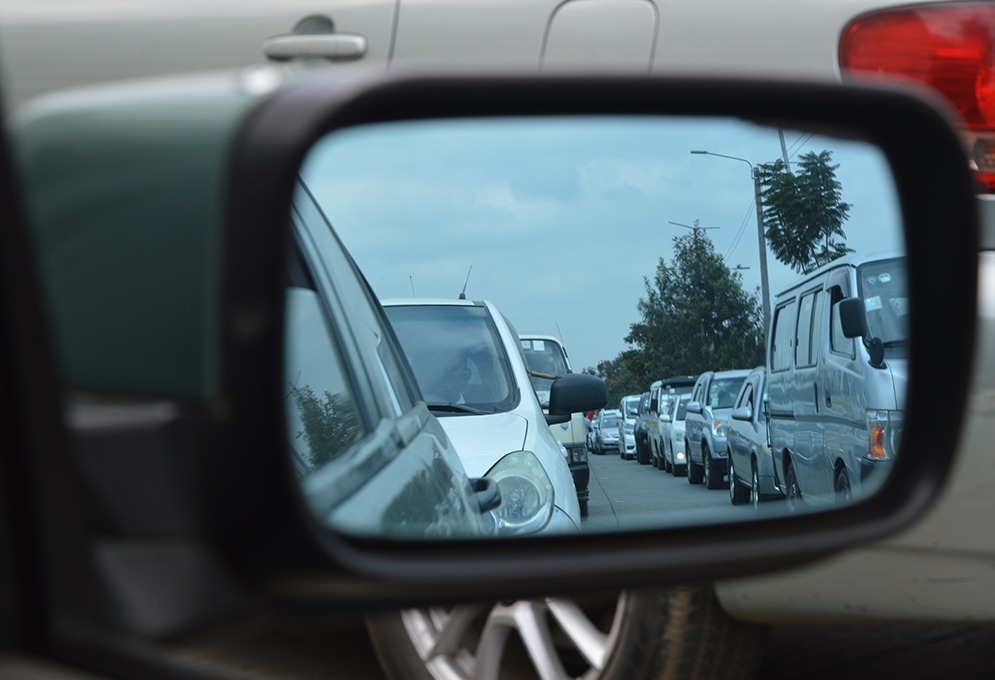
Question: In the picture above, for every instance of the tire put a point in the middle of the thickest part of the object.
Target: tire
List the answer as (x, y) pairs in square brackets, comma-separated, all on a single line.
[(754, 486), (711, 473), (738, 494), (842, 488), (667, 466), (583, 507), (643, 634), (793, 494), (695, 472)]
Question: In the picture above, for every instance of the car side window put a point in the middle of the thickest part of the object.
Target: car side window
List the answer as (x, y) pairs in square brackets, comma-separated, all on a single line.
[(323, 420), (780, 350), (805, 354), (839, 343)]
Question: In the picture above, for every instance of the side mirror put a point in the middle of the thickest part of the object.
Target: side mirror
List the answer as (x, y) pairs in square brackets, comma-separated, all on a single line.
[(666, 418), (576, 392), (853, 319), (694, 407), (742, 413)]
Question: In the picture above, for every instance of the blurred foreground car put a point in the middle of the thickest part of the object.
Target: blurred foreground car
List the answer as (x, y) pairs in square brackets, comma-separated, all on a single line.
[(225, 378)]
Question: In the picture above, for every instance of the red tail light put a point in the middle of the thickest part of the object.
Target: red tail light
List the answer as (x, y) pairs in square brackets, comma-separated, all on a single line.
[(947, 46)]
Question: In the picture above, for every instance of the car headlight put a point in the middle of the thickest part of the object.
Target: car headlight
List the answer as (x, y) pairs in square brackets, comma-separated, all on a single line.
[(718, 428), (526, 494)]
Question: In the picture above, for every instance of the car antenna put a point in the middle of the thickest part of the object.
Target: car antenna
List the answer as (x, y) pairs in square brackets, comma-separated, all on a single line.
[(559, 333), (411, 279), (462, 293)]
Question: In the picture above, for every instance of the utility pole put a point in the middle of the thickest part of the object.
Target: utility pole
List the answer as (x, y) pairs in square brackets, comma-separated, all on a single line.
[(761, 241)]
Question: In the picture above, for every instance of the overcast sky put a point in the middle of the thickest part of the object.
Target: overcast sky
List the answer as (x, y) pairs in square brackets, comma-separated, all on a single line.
[(561, 219)]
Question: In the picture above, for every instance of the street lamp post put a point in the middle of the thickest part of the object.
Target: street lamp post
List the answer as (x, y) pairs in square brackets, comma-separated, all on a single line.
[(761, 241)]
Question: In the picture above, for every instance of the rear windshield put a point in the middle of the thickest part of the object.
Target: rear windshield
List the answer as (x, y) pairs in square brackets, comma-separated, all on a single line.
[(722, 392)]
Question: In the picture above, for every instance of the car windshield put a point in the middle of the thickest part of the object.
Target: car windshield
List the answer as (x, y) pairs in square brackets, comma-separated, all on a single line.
[(457, 357), (544, 356), (883, 287), (722, 392), (609, 422)]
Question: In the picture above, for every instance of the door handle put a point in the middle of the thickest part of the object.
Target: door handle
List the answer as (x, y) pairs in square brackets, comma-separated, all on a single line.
[(331, 46), (829, 397)]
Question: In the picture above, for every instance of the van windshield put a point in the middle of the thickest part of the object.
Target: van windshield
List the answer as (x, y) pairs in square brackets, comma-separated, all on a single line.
[(544, 356), (883, 286)]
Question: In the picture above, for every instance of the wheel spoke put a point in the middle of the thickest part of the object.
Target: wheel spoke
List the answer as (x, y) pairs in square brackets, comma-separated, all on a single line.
[(454, 626), (490, 649), (590, 642), (530, 619)]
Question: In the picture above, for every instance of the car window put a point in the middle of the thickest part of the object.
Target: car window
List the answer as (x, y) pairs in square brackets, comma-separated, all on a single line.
[(456, 354), (722, 392), (805, 345), (323, 417), (883, 287), (780, 348)]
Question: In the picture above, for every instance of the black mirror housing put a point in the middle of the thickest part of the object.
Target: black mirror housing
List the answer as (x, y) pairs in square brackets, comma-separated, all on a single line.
[(576, 393)]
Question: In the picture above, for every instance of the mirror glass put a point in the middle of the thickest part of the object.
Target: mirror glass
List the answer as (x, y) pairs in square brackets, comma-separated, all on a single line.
[(755, 364)]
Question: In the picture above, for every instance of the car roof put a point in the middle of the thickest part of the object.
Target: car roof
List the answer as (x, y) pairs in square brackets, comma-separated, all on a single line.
[(853, 260)]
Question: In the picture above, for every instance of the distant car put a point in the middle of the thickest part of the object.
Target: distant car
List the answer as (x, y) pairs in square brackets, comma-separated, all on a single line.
[(606, 431), (674, 457), (661, 394), (467, 360), (628, 409), (711, 402), (641, 431), (751, 468), (545, 354)]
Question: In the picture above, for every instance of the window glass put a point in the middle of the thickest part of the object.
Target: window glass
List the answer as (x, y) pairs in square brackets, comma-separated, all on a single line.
[(883, 286), (456, 355), (722, 392), (322, 416), (805, 353), (780, 351), (838, 343)]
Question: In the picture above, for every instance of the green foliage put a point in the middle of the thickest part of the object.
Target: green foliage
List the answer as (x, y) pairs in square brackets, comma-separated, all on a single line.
[(330, 424), (804, 212), (696, 316)]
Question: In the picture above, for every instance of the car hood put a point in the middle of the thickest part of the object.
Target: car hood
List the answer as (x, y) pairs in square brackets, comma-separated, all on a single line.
[(481, 441)]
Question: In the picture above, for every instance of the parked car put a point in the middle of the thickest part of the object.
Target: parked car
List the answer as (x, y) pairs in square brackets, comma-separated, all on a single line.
[(751, 467), (468, 362), (606, 431), (662, 392), (546, 355), (674, 459), (628, 409), (641, 430), (838, 354), (712, 399)]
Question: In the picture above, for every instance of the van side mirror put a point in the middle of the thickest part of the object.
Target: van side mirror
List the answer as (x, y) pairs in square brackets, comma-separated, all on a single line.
[(853, 319), (694, 407)]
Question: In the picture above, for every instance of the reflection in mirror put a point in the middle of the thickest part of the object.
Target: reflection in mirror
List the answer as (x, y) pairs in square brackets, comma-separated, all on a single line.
[(754, 359)]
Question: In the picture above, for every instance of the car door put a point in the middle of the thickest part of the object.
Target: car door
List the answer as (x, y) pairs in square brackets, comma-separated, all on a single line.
[(528, 34), (808, 454), (124, 39)]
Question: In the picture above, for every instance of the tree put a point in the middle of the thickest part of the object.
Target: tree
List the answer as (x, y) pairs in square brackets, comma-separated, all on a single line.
[(330, 425), (804, 212), (696, 316)]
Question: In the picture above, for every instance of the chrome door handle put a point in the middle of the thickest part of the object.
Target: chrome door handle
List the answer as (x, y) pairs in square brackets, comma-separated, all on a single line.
[(332, 46)]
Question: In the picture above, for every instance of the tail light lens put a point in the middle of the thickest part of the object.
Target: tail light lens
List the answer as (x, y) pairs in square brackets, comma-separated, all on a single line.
[(947, 46)]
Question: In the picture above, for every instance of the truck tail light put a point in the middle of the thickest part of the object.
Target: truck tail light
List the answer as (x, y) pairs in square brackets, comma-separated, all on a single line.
[(946, 46)]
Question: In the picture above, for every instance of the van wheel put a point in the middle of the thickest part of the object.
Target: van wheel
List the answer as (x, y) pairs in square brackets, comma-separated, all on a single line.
[(712, 471), (738, 494), (646, 634), (843, 495), (793, 493)]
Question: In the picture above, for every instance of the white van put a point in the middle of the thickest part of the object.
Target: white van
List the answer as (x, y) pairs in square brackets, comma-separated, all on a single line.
[(837, 358)]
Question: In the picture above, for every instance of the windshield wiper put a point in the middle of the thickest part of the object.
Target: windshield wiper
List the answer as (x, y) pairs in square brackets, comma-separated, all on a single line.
[(457, 408)]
